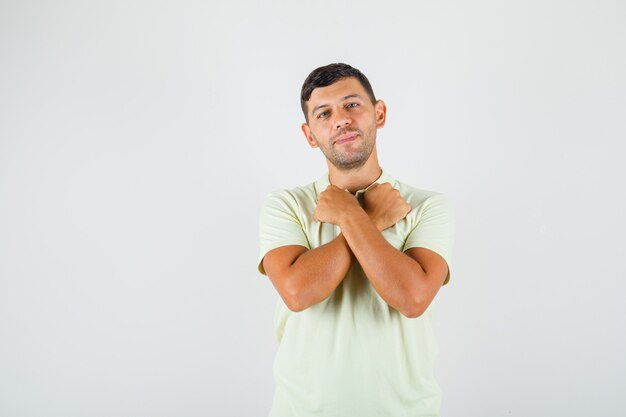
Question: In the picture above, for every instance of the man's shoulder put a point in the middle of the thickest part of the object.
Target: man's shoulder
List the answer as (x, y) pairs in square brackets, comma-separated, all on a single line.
[(417, 196), (296, 196)]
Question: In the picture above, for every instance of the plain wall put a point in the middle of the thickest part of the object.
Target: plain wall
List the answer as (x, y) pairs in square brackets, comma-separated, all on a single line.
[(138, 140)]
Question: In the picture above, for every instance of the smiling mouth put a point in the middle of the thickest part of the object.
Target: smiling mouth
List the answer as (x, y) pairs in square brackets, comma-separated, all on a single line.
[(346, 138)]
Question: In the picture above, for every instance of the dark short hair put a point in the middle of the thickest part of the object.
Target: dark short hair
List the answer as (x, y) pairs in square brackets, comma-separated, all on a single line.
[(330, 74)]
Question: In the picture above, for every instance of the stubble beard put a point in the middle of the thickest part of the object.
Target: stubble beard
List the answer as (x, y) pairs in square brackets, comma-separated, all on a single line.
[(355, 158)]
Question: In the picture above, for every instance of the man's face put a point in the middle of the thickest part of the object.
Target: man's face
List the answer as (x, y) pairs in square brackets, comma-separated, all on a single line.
[(343, 123)]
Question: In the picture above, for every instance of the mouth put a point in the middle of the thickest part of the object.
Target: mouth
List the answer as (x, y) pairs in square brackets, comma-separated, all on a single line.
[(345, 138)]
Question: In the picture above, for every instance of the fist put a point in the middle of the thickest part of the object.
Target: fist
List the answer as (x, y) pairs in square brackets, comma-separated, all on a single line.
[(334, 205), (384, 205)]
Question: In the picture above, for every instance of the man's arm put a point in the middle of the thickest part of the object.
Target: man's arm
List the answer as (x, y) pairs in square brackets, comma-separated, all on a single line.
[(305, 277), (407, 281)]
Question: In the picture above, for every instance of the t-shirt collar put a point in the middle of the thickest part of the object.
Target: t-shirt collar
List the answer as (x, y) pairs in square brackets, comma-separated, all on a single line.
[(323, 183)]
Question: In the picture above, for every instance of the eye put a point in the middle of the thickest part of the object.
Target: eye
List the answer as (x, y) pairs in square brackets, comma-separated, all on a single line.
[(352, 105), (322, 115)]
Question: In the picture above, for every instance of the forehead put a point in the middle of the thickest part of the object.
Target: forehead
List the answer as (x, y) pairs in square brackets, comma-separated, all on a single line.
[(336, 92)]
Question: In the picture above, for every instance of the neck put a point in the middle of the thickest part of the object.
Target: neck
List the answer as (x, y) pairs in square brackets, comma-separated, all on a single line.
[(357, 178)]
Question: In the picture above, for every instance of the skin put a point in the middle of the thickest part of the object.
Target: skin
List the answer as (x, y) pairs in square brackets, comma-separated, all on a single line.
[(342, 122)]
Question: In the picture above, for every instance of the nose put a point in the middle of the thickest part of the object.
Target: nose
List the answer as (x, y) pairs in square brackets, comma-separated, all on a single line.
[(343, 120)]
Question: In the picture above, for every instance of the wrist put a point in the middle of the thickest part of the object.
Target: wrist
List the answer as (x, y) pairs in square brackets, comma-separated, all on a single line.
[(378, 222), (353, 217)]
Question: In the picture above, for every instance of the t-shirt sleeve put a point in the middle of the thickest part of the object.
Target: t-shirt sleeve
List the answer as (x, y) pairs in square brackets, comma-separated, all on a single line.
[(279, 225), (434, 228)]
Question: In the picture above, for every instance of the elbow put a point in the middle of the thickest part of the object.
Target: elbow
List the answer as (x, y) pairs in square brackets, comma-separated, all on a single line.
[(292, 294), (294, 300), (413, 309), (294, 304), (412, 313)]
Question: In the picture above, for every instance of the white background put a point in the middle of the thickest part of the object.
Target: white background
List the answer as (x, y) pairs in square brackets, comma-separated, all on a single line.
[(138, 140)]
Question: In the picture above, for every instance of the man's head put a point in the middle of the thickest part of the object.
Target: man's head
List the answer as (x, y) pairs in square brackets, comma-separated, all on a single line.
[(330, 74), (342, 116)]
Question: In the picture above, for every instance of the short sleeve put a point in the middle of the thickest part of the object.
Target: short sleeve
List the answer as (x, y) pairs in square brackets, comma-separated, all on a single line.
[(279, 224), (434, 228)]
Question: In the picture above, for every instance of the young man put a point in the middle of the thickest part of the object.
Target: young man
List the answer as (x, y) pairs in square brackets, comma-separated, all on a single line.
[(357, 257)]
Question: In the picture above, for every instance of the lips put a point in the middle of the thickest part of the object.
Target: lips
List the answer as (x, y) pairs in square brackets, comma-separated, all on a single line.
[(346, 137)]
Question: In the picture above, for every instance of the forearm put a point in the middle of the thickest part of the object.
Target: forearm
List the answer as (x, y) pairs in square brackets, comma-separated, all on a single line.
[(396, 277), (316, 273)]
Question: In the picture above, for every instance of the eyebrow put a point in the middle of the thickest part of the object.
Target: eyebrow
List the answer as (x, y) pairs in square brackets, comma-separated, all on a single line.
[(349, 96)]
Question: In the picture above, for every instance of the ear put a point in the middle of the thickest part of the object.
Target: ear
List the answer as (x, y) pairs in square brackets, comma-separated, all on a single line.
[(308, 135), (381, 113)]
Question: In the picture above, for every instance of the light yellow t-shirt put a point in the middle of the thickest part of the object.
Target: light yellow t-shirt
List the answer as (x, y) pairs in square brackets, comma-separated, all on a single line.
[(352, 355)]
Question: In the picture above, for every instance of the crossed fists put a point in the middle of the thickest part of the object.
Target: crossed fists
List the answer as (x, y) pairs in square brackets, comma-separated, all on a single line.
[(382, 203)]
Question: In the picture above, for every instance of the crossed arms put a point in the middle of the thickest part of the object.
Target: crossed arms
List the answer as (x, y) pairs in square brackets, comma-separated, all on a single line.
[(407, 281)]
